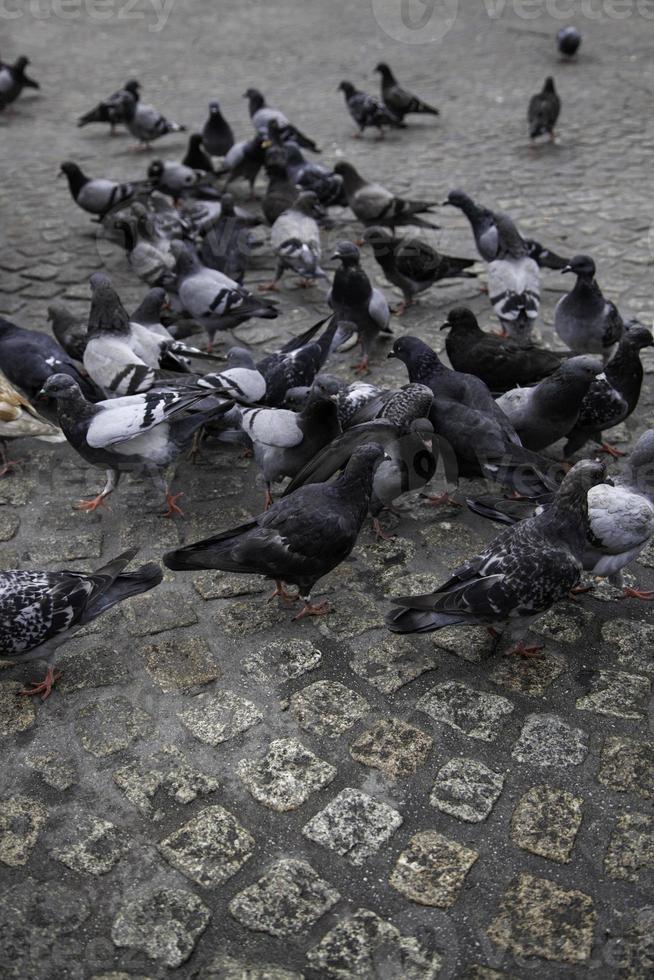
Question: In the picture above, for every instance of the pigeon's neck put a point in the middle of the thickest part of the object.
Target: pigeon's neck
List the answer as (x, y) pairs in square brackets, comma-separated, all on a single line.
[(76, 181), (478, 217), (566, 519), (351, 286), (355, 484), (74, 409), (587, 292), (256, 102), (625, 372), (463, 336), (351, 180), (384, 254), (559, 394), (322, 413), (108, 318), (638, 475), (423, 367)]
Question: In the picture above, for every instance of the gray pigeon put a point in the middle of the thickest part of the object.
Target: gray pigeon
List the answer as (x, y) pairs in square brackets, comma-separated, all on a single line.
[(367, 111), (398, 100), (550, 410), (295, 238), (357, 305), (112, 110), (147, 124), (97, 195), (584, 320), (543, 111), (40, 610), (172, 178), (523, 572), (70, 333), (376, 205), (262, 115), (513, 282), (13, 80)]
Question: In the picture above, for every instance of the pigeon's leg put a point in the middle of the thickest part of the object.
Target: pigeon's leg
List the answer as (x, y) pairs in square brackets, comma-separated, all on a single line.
[(269, 287), (380, 533), (400, 310), (440, 500), (44, 688), (268, 499), (312, 608), (195, 449), (288, 598), (113, 476), (7, 464), (171, 501), (520, 649), (358, 135), (579, 590), (380, 135), (361, 367), (633, 593), (611, 451), (112, 131)]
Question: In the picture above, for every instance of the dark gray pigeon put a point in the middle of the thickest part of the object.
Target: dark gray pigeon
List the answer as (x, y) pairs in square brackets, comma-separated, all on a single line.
[(299, 539), (367, 111), (357, 305), (584, 320), (262, 115), (397, 99), (217, 134), (68, 330), (228, 243), (550, 410), (543, 111), (112, 110), (326, 185), (147, 124), (522, 573), (244, 160), (13, 80), (568, 40), (30, 357), (376, 205), (41, 610)]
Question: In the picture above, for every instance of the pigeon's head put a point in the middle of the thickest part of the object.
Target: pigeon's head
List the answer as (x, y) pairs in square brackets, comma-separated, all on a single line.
[(133, 86), (582, 266), (458, 199), (195, 141), (577, 482), (227, 204), (461, 320), (59, 387), (239, 357), (325, 387), (365, 460), (384, 70), (412, 351), (156, 170), (296, 399), (549, 84), (20, 64), (307, 202), (293, 153), (638, 335), (214, 107), (351, 177), (581, 368), (380, 240), (257, 100), (347, 252), (347, 88), (70, 170), (640, 465)]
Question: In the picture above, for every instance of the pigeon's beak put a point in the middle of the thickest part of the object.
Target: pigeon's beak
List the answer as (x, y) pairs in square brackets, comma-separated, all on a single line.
[(391, 354), (444, 203), (609, 482), (41, 395), (266, 144), (60, 174), (566, 268), (444, 326), (335, 255)]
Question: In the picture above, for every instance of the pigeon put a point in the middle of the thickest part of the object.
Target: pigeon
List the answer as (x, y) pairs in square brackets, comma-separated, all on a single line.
[(356, 304), (484, 228), (69, 332), (244, 160), (29, 358), (545, 413), (40, 610), (412, 264), (523, 572), (112, 109), (397, 99), (298, 362), (212, 298), (280, 193), (217, 135), (228, 243), (261, 116), (613, 396), (148, 256), (97, 195), (543, 111), (513, 282), (13, 80), (501, 363), (375, 205), (147, 124), (299, 539), (175, 179), (402, 428), (568, 40), (137, 433), (19, 419), (295, 238), (326, 185), (584, 320), (285, 441), (366, 110), (195, 157), (476, 436)]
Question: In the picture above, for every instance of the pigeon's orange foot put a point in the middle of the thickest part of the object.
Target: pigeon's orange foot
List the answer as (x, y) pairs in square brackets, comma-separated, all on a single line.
[(645, 594), (361, 367), (90, 505), (520, 650), (303, 284), (313, 609), (580, 590), (514, 496), (499, 333), (288, 598), (380, 533), (356, 136), (440, 500), (268, 287), (8, 467), (611, 451), (399, 310), (44, 689), (171, 500)]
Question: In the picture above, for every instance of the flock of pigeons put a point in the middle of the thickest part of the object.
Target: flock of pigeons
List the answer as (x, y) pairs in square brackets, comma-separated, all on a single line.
[(128, 395)]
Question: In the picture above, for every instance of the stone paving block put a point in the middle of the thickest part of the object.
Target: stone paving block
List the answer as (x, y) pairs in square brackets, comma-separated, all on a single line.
[(97, 667), (632, 951), (286, 776), (547, 740), (432, 870), (477, 972), (466, 789), (210, 848), (627, 766), (634, 641), (476, 714), (328, 708), (216, 718), (352, 613), (393, 746), (631, 847), (288, 899), (538, 918), (224, 585), (392, 663), (529, 676), (181, 663), (16, 713), (546, 822), (156, 612), (239, 619), (59, 773), (223, 967), (617, 694), (282, 661), (21, 820), (167, 770), (469, 643), (60, 548), (164, 924), (93, 846), (9, 524), (353, 825), (105, 727), (366, 947), (564, 623)]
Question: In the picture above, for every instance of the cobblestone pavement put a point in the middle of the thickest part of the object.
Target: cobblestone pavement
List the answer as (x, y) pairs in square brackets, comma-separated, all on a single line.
[(213, 791)]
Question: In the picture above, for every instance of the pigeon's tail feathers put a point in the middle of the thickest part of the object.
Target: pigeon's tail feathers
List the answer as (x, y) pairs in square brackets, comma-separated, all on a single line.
[(113, 584), (524, 472), (501, 510), (97, 115), (404, 620), (424, 107), (215, 552)]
